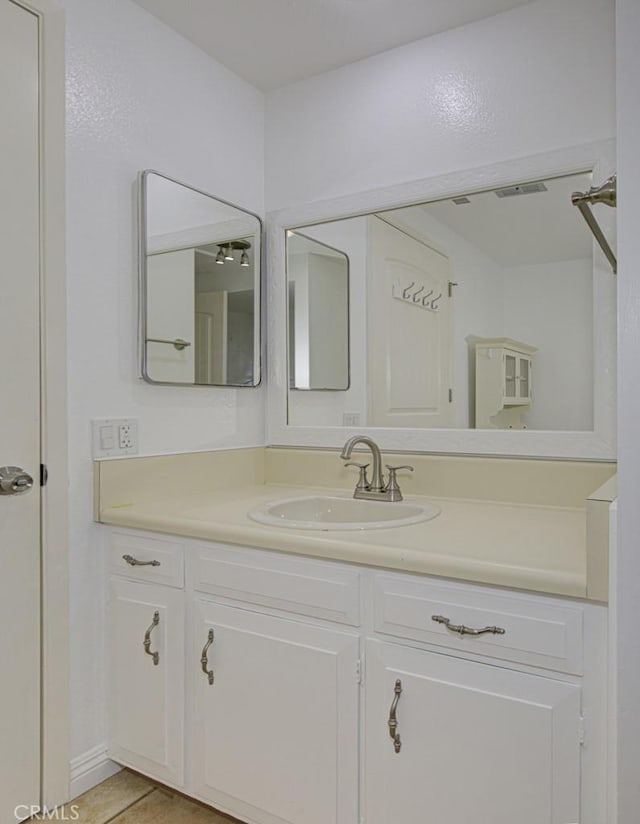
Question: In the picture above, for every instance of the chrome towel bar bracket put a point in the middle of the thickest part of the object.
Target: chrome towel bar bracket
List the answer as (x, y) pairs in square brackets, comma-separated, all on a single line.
[(607, 194)]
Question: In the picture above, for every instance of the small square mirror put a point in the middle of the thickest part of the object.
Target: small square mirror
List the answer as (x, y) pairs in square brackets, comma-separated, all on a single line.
[(200, 268)]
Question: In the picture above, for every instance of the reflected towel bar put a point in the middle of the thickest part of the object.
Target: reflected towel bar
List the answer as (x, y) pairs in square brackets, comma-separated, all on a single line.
[(178, 342)]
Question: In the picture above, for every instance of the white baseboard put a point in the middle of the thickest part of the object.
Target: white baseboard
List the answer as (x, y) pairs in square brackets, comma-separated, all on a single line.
[(90, 769)]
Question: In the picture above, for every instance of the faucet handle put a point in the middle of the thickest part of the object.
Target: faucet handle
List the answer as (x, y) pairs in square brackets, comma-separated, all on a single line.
[(392, 483), (363, 481)]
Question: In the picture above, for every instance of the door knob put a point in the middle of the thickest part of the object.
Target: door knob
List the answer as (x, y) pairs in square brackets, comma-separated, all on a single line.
[(14, 481)]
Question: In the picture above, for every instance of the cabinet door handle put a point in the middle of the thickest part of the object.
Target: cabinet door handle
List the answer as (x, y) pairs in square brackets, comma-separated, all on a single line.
[(462, 630), (392, 723), (147, 640), (204, 660), (135, 562)]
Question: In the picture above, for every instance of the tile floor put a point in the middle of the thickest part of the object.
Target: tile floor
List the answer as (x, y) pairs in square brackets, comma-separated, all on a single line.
[(128, 798)]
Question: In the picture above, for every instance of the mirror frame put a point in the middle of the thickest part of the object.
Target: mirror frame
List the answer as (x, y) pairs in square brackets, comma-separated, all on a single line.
[(142, 287), (598, 444)]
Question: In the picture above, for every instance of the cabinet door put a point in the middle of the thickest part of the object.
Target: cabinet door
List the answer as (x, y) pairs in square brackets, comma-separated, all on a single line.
[(275, 726), (478, 744), (510, 382), (146, 684), (524, 377)]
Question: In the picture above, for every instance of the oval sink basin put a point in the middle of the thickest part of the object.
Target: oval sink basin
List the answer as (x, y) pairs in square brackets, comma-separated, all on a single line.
[(329, 512)]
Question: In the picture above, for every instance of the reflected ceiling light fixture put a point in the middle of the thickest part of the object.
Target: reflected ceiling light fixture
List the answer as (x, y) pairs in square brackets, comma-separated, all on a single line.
[(228, 247)]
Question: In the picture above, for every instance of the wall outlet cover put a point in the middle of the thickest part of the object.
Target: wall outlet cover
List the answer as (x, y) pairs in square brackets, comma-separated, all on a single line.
[(114, 436)]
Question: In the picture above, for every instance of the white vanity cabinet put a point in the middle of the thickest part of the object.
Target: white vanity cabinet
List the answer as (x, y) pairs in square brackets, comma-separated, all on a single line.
[(290, 678)]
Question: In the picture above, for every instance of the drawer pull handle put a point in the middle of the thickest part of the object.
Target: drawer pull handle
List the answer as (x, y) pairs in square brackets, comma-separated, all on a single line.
[(462, 630), (392, 723), (135, 562), (204, 660), (147, 640)]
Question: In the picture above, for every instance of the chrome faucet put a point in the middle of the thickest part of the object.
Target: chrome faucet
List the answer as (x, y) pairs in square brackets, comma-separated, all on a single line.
[(377, 489)]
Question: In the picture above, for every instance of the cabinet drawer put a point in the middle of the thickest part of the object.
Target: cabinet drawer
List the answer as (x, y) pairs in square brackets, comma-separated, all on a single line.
[(536, 631), (289, 584), (161, 560)]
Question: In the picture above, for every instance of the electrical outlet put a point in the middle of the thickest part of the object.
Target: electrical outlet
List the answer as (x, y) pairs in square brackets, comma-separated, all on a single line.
[(351, 419), (114, 436), (125, 436)]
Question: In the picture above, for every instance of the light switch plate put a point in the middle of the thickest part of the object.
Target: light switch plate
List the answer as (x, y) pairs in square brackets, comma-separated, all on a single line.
[(114, 436)]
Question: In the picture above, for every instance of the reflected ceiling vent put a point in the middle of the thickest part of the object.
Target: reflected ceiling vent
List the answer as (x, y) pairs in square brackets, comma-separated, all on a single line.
[(523, 189), (460, 201)]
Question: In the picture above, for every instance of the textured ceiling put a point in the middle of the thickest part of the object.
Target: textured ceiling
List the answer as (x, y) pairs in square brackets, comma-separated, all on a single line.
[(272, 43)]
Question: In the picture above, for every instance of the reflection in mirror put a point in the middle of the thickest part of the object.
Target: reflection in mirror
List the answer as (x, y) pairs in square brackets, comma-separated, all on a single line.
[(470, 312), (318, 292), (199, 287)]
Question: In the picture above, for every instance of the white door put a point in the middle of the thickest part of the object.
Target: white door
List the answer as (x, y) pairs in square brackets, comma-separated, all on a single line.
[(19, 410), (171, 316), (478, 744), (146, 678), (409, 331), (211, 337), (276, 722)]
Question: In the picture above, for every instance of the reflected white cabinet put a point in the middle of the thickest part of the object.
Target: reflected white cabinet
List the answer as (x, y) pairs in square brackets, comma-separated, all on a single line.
[(503, 382), (274, 721), (146, 678), (475, 742)]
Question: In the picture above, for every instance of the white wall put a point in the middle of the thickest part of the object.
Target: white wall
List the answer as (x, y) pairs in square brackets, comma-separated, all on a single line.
[(138, 96), (627, 583), (550, 306), (522, 82)]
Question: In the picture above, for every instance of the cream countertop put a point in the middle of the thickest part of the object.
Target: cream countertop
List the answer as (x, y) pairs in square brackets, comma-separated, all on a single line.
[(526, 547), (518, 523)]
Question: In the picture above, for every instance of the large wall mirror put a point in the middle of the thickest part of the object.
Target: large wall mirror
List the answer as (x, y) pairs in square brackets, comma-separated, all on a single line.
[(471, 312), (200, 267), (474, 314)]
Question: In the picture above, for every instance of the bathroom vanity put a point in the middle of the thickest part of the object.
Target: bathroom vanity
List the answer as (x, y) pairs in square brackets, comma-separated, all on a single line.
[(296, 685)]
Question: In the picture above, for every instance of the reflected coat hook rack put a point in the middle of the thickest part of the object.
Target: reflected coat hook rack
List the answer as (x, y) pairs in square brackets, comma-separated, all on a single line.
[(409, 294)]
